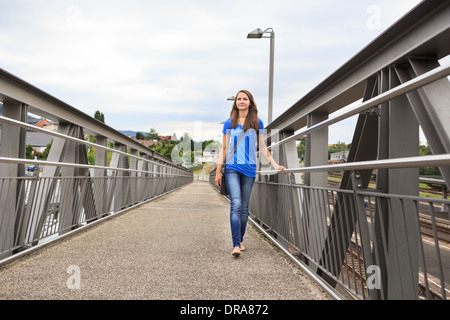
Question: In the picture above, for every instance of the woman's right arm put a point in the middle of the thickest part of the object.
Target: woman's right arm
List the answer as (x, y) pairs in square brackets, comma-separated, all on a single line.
[(221, 161)]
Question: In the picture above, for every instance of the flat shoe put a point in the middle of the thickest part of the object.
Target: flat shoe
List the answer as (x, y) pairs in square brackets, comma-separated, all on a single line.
[(242, 247), (236, 252)]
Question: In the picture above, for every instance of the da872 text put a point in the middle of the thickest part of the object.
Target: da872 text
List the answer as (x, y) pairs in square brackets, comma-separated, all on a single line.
[(246, 309)]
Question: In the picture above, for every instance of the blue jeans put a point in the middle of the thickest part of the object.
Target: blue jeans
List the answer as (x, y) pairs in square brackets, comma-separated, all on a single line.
[(239, 190)]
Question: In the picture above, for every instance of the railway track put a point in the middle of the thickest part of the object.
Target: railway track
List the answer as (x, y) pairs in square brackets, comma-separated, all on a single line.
[(354, 263), (441, 230), (442, 225), (335, 183)]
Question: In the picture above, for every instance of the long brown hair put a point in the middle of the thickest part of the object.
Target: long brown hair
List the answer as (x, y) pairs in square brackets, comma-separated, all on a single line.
[(251, 121)]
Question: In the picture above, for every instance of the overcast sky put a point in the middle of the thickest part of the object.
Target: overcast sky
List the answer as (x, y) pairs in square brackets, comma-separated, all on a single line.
[(171, 65)]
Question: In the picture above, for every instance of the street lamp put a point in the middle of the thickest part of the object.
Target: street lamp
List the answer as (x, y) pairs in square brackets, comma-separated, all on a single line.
[(258, 34)]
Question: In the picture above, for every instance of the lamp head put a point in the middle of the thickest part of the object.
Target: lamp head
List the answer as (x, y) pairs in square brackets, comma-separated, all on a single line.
[(255, 34)]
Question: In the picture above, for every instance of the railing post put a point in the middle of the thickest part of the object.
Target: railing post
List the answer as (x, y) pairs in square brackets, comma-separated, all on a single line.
[(69, 209), (133, 176), (121, 189), (100, 178), (403, 142), (47, 184), (317, 150), (11, 192), (316, 154), (142, 185), (287, 156)]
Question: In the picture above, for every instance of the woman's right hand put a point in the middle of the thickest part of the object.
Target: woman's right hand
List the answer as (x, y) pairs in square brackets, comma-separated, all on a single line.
[(218, 180)]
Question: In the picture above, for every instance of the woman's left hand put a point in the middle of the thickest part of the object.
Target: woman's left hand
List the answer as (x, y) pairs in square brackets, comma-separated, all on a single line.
[(280, 168)]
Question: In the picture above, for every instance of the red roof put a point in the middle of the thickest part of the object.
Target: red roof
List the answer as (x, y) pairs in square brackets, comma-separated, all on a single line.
[(147, 143), (43, 122), (165, 138)]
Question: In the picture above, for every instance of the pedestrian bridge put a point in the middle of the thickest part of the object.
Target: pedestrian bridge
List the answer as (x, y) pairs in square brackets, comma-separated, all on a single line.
[(136, 224)]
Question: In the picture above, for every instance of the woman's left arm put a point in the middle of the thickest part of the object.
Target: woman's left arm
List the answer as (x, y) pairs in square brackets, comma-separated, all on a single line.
[(263, 150)]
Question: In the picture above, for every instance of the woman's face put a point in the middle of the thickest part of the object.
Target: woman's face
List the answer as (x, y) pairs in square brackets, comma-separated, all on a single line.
[(242, 101)]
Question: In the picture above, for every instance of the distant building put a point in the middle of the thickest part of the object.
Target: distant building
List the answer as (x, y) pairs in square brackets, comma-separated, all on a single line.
[(209, 155), (43, 123), (40, 140), (37, 140), (165, 138), (147, 143), (339, 157), (40, 122)]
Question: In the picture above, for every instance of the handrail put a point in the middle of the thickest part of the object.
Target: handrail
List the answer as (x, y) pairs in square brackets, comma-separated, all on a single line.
[(403, 88), (407, 162), (432, 180), (77, 165)]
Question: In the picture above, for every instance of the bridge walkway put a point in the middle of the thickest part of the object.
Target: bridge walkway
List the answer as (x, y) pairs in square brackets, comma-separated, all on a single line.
[(176, 247)]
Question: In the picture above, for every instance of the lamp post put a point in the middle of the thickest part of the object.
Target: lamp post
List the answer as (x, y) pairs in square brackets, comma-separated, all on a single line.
[(258, 34)]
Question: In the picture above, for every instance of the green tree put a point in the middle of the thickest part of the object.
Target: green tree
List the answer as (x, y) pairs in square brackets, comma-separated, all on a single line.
[(99, 116), (206, 143), (44, 153), (140, 136), (152, 135), (186, 137), (164, 148), (28, 151), (425, 150), (301, 150)]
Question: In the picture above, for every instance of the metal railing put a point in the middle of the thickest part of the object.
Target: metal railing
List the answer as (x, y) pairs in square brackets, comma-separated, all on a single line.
[(201, 177), (65, 193), (71, 202), (380, 239), (314, 223)]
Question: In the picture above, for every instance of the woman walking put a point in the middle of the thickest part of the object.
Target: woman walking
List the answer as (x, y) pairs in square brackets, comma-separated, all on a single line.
[(243, 129)]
